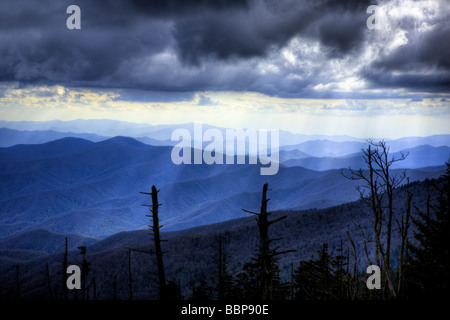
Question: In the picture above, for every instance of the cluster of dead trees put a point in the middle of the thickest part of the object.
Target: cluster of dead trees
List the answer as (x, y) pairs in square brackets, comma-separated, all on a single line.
[(264, 264), (333, 277), (400, 277), (377, 191)]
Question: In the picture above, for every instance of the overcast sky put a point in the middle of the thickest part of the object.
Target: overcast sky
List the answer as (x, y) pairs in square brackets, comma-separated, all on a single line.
[(304, 66)]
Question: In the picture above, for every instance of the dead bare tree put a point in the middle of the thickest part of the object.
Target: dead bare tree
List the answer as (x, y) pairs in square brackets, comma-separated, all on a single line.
[(49, 286), (403, 227), (354, 279), (154, 209), (64, 263), (221, 262), (17, 283), (377, 190), (130, 277), (266, 255), (389, 183)]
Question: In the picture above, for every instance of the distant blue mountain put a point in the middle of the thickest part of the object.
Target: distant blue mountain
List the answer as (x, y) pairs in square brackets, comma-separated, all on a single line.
[(329, 148), (160, 135), (50, 149), (10, 137), (411, 142), (103, 128), (417, 157), (93, 188)]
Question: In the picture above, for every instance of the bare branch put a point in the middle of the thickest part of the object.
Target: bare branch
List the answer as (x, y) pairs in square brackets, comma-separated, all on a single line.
[(257, 213)]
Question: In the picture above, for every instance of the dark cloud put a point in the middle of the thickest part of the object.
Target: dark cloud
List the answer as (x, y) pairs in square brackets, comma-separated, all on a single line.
[(417, 81), (342, 33), (187, 45), (431, 50), (265, 25), (239, 33), (180, 7), (423, 62), (45, 50)]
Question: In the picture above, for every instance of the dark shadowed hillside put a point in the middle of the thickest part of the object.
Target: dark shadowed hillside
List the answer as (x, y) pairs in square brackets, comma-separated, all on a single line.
[(191, 252), (44, 241)]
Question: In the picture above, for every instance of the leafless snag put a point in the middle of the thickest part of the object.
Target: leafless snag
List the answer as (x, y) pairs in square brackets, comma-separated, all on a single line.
[(155, 227), (266, 255), (377, 191), (47, 276)]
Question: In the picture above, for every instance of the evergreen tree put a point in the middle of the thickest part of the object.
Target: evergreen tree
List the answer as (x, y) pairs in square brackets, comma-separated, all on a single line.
[(202, 292), (428, 266), (173, 291), (223, 279), (342, 276), (313, 277), (248, 282), (322, 279)]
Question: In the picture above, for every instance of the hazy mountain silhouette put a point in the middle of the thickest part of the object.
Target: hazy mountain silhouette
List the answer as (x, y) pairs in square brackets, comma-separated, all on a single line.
[(418, 157), (11, 137), (95, 129), (330, 148)]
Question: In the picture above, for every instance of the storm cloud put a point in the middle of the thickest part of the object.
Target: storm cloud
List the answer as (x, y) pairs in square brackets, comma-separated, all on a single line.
[(280, 48)]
